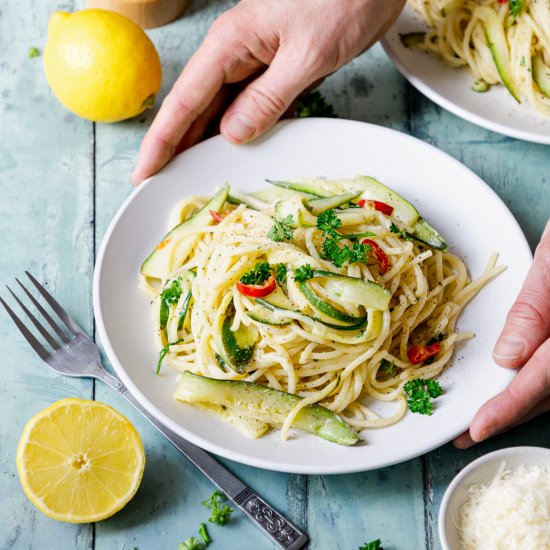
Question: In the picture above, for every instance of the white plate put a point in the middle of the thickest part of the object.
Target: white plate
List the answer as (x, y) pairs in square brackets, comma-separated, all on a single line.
[(473, 219), (452, 88)]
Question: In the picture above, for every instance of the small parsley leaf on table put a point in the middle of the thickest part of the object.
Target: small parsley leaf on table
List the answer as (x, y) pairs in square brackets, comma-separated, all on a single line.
[(219, 514), (190, 544), (314, 104), (372, 545)]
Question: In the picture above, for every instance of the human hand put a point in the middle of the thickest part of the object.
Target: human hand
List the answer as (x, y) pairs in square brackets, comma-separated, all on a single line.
[(523, 344), (277, 48)]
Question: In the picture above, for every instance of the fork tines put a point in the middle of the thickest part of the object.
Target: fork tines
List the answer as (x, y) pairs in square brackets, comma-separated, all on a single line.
[(66, 332)]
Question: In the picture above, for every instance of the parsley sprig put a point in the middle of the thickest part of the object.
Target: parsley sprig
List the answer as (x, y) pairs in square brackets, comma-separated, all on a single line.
[(420, 393), (516, 7), (372, 545), (170, 295), (303, 273), (191, 543), (220, 514), (282, 230), (259, 274), (328, 222), (280, 273)]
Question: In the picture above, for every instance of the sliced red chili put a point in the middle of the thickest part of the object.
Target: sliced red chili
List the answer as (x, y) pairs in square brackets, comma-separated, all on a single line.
[(257, 291), (377, 205), (379, 254), (217, 217), (419, 354)]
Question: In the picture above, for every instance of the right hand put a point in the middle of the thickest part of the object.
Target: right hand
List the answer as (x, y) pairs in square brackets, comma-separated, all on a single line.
[(277, 48)]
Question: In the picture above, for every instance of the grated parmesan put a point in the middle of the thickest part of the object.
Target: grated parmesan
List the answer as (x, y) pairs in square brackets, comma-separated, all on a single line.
[(512, 512)]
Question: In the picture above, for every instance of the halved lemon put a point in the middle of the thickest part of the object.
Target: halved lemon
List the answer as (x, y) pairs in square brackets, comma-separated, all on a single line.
[(80, 461)]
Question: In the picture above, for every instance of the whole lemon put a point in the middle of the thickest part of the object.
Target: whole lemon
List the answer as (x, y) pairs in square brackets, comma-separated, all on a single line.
[(101, 65)]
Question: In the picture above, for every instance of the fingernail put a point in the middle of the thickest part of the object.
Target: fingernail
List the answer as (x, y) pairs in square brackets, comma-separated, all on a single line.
[(465, 442), (239, 127), (510, 346)]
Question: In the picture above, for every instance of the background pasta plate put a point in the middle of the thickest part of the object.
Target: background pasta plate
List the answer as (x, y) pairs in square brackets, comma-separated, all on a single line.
[(452, 88), (470, 215)]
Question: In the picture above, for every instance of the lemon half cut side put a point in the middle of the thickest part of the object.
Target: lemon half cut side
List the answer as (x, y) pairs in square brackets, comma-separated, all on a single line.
[(80, 461)]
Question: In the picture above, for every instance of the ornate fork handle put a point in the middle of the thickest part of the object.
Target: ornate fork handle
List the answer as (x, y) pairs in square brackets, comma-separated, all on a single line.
[(279, 529)]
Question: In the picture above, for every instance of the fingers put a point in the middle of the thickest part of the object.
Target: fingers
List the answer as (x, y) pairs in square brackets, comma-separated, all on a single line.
[(529, 387), (264, 101), (528, 323)]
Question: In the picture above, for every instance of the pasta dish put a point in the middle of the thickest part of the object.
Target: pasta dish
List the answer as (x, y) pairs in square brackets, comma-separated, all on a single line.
[(499, 41), (305, 304)]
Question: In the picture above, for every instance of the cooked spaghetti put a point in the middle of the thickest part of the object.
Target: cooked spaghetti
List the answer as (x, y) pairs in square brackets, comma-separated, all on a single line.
[(348, 368), (500, 41)]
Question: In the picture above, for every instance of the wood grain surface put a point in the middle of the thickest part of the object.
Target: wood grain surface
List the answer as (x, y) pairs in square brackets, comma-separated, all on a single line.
[(61, 181)]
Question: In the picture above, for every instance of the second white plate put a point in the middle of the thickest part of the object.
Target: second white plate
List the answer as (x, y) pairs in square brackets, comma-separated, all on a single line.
[(470, 215), (452, 88)]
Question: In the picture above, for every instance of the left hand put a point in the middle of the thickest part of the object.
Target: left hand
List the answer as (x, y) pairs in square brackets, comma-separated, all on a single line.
[(524, 344)]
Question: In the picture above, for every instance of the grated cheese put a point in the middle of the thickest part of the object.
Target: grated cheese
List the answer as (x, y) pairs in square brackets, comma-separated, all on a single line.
[(512, 512)]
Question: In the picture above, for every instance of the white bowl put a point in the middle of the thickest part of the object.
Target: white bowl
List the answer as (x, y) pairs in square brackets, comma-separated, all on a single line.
[(483, 470)]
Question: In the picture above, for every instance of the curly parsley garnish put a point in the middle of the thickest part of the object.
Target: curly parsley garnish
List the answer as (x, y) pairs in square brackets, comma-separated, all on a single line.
[(516, 7), (394, 228), (258, 275), (282, 230), (280, 274), (420, 393), (303, 273), (328, 223), (219, 514), (170, 295), (191, 543)]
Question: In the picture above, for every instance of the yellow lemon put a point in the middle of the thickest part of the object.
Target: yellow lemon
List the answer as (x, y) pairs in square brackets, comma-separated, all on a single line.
[(80, 461), (101, 65)]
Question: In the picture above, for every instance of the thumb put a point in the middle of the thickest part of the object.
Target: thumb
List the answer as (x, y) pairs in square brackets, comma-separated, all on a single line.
[(262, 103), (528, 323)]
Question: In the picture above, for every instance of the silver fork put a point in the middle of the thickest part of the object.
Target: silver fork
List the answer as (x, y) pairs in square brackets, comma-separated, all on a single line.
[(73, 353)]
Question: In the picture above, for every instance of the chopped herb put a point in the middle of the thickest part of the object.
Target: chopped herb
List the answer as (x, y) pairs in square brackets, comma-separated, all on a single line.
[(303, 273), (439, 338), (406, 235), (204, 535), (282, 230), (164, 351), (516, 7), (169, 296), (420, 393), (280, 274), (522, 61), (394, 228), (314, 104), (328, 223), (387, 366), (258, 275), (33, 52), (372, 545), (220, 514), (190, 544)]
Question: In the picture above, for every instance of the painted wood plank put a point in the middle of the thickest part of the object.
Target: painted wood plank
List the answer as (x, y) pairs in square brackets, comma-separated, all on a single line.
[(346, 511), (167, 508), (518, 172), (45, 218)]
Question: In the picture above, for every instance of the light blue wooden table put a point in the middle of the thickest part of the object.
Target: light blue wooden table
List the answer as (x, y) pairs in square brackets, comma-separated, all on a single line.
[(61, 181)]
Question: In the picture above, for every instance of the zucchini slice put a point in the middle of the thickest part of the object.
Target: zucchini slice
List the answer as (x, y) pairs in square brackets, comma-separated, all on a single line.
[(164, 259), (236, 197), (321, 204), (238, 346), (274, 317), (496, 40), (264, 404), (541, 74), (356, 291), (426, 234)]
